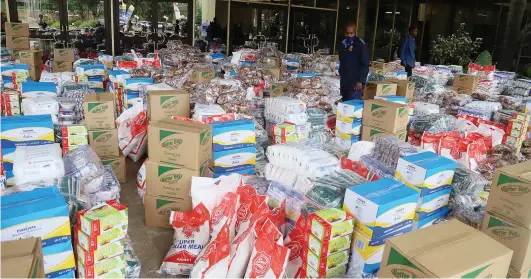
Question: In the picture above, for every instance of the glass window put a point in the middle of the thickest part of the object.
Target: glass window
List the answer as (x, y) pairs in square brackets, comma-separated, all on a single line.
[(255, 25), (31, 11), (329, 4), (384, 32), (366, 22), (312, 30), (348, 13), (403, 17)]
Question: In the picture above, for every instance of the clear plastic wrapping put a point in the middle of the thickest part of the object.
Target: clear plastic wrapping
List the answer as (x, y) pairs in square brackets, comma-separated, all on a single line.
[(433, 123), (132, 270), (83, 163), (388, 149), (467, 182)]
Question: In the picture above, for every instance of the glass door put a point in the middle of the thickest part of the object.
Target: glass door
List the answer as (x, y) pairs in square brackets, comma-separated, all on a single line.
[(312, 30)]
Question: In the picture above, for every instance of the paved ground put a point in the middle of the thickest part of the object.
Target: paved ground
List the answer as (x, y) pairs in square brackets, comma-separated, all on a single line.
[(150, 244)]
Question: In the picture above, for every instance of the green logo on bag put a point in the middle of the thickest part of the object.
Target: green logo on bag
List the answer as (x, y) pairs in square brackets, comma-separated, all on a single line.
[(171, 143), (506, 233), (171, 178), (515, 189), (403, 273)]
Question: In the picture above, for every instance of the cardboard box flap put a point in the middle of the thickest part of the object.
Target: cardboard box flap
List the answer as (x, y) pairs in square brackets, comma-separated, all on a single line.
[(386, 103), (522, 170), (23, 264), (99, 97), (167, 92), (450, 248), (20, 248), (186, 126), (22, 258)]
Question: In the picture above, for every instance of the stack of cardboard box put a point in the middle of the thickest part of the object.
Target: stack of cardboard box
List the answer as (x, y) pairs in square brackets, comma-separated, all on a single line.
[(372, 204), (177, 150), (384, 118), (447, 250), (508, 218), (34, 59), (465, 84), (102, 132), (405, 88), (63, 60), (381, 68), (328, 243), (517, 129), (17, 36), (379, 88), (348, 123), (22, 258), (99, 242), (431, 175), (47, 218)]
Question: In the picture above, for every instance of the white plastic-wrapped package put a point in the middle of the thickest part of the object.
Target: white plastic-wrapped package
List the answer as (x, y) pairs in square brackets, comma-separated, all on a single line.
[(423, 108), (202, 111), (211, 192), (288, 178), (36, 163), (132, 130), (285, 109), (41, 105), (359, 149), (192, 233), (141, 180)]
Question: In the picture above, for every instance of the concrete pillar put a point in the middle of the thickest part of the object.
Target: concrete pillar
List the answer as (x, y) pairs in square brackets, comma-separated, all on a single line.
[(208, 8)]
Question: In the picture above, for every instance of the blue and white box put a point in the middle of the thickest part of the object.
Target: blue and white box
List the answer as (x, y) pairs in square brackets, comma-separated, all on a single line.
[(34, 89), (353, 108), (367, 253), (381, 206), (394, 99), (233, 160), (41, 213), (426, 171), (433, 201), (233, 135), (26, 130), (132, 85), (95, 70), (344, 126), (431, 219), (119, 76), (17, 69), (96, 83)]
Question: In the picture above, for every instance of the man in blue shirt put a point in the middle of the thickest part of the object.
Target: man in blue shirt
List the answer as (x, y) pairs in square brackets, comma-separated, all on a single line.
[(353, 65), (407, 50)]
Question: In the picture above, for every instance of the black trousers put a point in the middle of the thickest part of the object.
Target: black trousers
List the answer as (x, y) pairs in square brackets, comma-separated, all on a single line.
[(409, 70)]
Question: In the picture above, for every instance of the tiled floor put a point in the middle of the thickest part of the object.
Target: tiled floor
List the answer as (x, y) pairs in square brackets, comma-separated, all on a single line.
[(150, 244)]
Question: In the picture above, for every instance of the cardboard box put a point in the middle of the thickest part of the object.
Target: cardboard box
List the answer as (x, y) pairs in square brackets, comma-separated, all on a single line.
[(322, 265), (350, 109), (331, 223), (35, 72), (426, 171), (405, 88), (228, 161), (233, 134), (30, 57), (519, 274), (179, 142), (93, 243), (99, 111), (368, 133), (200, 75), (64, 55), (163, 104), (388, 116), (511, 235), (62, 66), (375, 71), (430, 219), (22, 258), (157, 210), (447, 250), (108, 268), (377, 88), (510, 194), (465, 81), (277, 89), (171, 180), (104, 142), (103, 217), (433, 201), (118, 167), (386, 67), (372, 204), (104, 252), (323, 249), (17, 29), (463, 90), (17, 42)]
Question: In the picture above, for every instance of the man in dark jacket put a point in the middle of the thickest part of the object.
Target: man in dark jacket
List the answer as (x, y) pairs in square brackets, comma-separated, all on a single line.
[(353, 65)]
